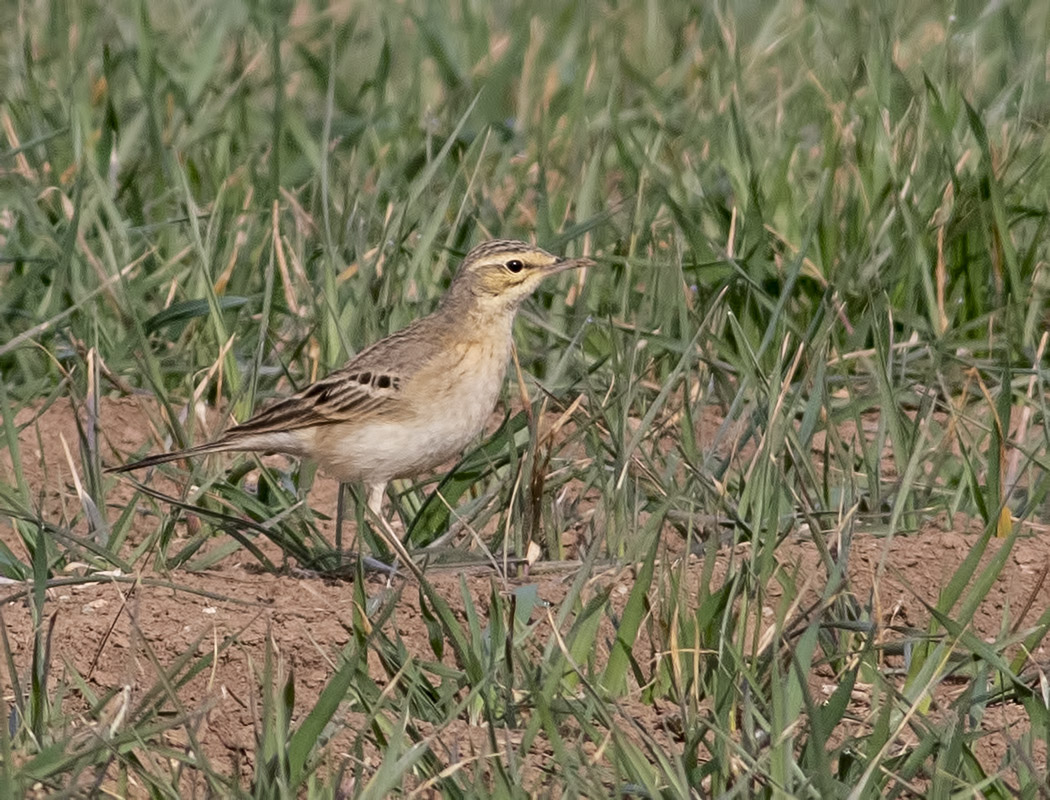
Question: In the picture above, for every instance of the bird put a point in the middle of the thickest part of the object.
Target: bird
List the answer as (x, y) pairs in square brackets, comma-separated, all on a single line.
[(411, 401)]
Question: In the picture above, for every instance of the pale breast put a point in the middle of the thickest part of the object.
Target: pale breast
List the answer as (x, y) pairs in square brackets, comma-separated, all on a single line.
[(444, 408)]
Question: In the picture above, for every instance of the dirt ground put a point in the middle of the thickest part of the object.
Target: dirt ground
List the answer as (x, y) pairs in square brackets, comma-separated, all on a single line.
[(120, 633)]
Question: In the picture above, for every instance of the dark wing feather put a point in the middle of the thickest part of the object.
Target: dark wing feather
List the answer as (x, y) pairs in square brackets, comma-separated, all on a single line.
[(347, 395)]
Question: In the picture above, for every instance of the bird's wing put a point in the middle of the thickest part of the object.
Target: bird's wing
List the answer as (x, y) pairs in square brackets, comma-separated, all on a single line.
[(368, 387), (350, 394)]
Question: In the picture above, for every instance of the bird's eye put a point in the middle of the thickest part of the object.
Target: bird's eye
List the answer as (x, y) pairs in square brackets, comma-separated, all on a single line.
[(514, 265)]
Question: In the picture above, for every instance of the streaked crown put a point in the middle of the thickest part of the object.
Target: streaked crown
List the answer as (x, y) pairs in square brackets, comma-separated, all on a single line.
[(504, 270)]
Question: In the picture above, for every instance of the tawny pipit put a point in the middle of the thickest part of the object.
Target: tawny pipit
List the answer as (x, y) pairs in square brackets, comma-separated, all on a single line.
[(413, 400)]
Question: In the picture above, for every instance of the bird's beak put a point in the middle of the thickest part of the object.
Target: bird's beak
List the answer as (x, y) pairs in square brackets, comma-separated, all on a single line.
[(569, 263)]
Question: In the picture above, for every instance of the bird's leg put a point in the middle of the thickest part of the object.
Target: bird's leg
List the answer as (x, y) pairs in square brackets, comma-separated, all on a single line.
[(375, 507), (375, 498)]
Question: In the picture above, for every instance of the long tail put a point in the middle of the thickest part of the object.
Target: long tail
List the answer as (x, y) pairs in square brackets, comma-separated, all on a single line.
[(163, 458)]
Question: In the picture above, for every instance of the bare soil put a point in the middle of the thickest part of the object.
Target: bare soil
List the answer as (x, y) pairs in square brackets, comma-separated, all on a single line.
[(120, 633)]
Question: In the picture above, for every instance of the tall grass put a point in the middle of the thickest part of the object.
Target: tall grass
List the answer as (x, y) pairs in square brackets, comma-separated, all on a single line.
[(826, 220)]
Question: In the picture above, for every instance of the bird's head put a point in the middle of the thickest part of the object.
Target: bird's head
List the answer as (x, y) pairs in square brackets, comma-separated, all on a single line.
[(504, 272)]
